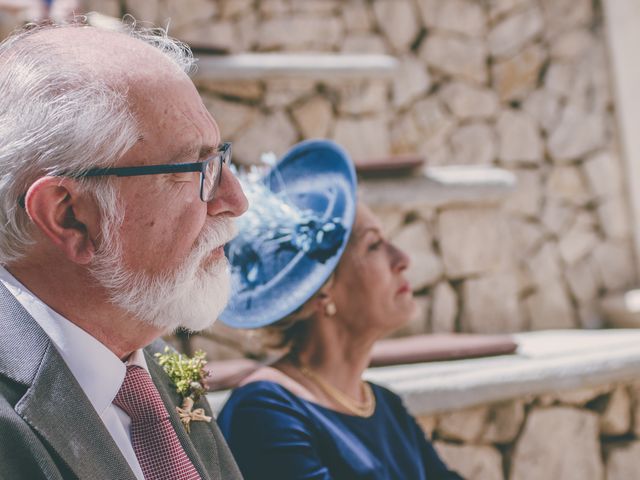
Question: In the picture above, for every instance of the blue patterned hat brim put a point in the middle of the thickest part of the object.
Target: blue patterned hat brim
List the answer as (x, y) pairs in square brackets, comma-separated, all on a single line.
[(279, 260)]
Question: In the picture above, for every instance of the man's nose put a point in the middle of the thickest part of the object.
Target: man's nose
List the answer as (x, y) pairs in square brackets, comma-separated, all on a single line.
[(229, 199)]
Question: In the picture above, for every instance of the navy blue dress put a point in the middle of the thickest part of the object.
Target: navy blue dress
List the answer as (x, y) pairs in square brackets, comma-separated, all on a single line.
[(276, 435)]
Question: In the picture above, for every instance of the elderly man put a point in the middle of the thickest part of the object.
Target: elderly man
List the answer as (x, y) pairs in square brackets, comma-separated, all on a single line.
[(115, 205)]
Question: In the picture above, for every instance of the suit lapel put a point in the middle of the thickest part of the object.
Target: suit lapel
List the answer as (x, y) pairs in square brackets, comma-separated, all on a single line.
[(54, 405), (200, 445)]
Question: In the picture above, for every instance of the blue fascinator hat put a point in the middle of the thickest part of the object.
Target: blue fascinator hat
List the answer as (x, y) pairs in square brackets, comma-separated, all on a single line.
[(291, 238)]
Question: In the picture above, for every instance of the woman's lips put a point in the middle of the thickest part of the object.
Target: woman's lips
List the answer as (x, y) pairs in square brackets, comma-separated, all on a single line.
[(404, 288)]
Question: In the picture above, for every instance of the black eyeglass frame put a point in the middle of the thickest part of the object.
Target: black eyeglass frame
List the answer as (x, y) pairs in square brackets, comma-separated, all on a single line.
[(223, 152)]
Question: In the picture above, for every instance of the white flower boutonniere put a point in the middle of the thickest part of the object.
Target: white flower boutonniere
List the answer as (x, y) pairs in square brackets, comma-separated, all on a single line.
[(188, 375)]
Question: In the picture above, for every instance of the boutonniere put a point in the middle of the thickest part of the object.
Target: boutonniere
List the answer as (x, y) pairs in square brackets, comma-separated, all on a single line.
[(188, 375)]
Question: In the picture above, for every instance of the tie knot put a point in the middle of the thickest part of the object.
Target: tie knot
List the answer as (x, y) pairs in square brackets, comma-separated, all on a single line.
[(139, 397)]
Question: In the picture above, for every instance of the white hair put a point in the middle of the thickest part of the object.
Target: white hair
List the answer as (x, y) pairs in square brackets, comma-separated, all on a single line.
[(191, 297), (57, 118)]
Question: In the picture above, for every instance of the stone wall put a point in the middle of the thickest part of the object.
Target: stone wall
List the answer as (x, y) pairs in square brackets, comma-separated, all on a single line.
[(583, 435), (519, 84)]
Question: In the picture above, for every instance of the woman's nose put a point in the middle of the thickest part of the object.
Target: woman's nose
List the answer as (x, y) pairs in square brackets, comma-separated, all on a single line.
[(399, 260)]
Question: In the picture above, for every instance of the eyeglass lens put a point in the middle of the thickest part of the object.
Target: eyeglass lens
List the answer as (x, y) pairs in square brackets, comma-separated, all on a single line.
[(212, 174)]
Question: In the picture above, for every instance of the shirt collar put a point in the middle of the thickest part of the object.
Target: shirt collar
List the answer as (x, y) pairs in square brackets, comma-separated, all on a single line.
[(97, 369)]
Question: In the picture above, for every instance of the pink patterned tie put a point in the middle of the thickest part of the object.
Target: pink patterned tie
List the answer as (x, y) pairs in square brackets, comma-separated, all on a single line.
[(152, 435)]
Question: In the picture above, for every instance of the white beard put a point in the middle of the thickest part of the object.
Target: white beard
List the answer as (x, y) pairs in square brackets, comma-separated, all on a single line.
[(191, 297)]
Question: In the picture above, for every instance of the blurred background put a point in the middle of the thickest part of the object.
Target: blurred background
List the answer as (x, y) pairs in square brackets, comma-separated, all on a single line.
[(495, 139), (486, 134)]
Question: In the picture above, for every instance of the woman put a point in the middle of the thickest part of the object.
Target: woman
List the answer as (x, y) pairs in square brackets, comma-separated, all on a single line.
[(310, 415)]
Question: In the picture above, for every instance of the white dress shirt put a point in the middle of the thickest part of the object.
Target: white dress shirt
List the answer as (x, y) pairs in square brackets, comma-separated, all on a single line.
[(97, 369)]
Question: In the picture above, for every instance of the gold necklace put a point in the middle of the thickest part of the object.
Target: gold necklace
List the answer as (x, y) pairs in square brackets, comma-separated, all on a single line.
[(361, 409)]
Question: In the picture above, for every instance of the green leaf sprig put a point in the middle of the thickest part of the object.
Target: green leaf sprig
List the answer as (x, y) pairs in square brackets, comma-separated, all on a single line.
[(186, 373)]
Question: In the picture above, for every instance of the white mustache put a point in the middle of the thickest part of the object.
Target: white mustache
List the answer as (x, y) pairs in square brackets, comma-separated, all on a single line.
[(216, 234)]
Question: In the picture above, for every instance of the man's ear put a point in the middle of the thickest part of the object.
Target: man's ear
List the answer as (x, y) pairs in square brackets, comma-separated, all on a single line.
[(66, 216)]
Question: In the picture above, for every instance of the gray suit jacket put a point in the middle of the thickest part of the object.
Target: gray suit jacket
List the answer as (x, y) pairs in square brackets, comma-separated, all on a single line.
[(48, 427)]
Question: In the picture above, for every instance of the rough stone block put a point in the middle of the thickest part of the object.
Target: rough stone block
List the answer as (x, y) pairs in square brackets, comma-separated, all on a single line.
[(314, 117), (444, 308), (557, 216), (247, 28), (550, 307), (520, 140), (363, 138), (559, 78), (591, 89), (222, 35), (326, 7), (558, 442), (299, 32), (234, 8), (357, 16), (514, 78), (616, 418), (572, 45), (468, 101), (362, 97), (577, 134), (580, 240), (472, 241), (106, 7), (186, 13), (463, 425), (589, 316), (509, 35), (410, 82), (473, 144), (281, 92), (622, 462), (527, 235), (428, 423), (398, 21), (577, 398), (544, 265), (616, 265), (404, 135), (614, 218), (460, 16), (231, 117), (564, 15), (472, 462), (544, 107), (583, 280), (243, 89), (504, 422), (267, 133), (364, 43), (604, 174), (143, 10), (527, 198), (499, 8), (270, 8), (455, 55), (432, 120), (490, 305), (566, 183)]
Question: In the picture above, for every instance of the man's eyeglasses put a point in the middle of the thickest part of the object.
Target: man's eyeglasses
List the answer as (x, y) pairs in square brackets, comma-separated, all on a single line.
[(210, 171)]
